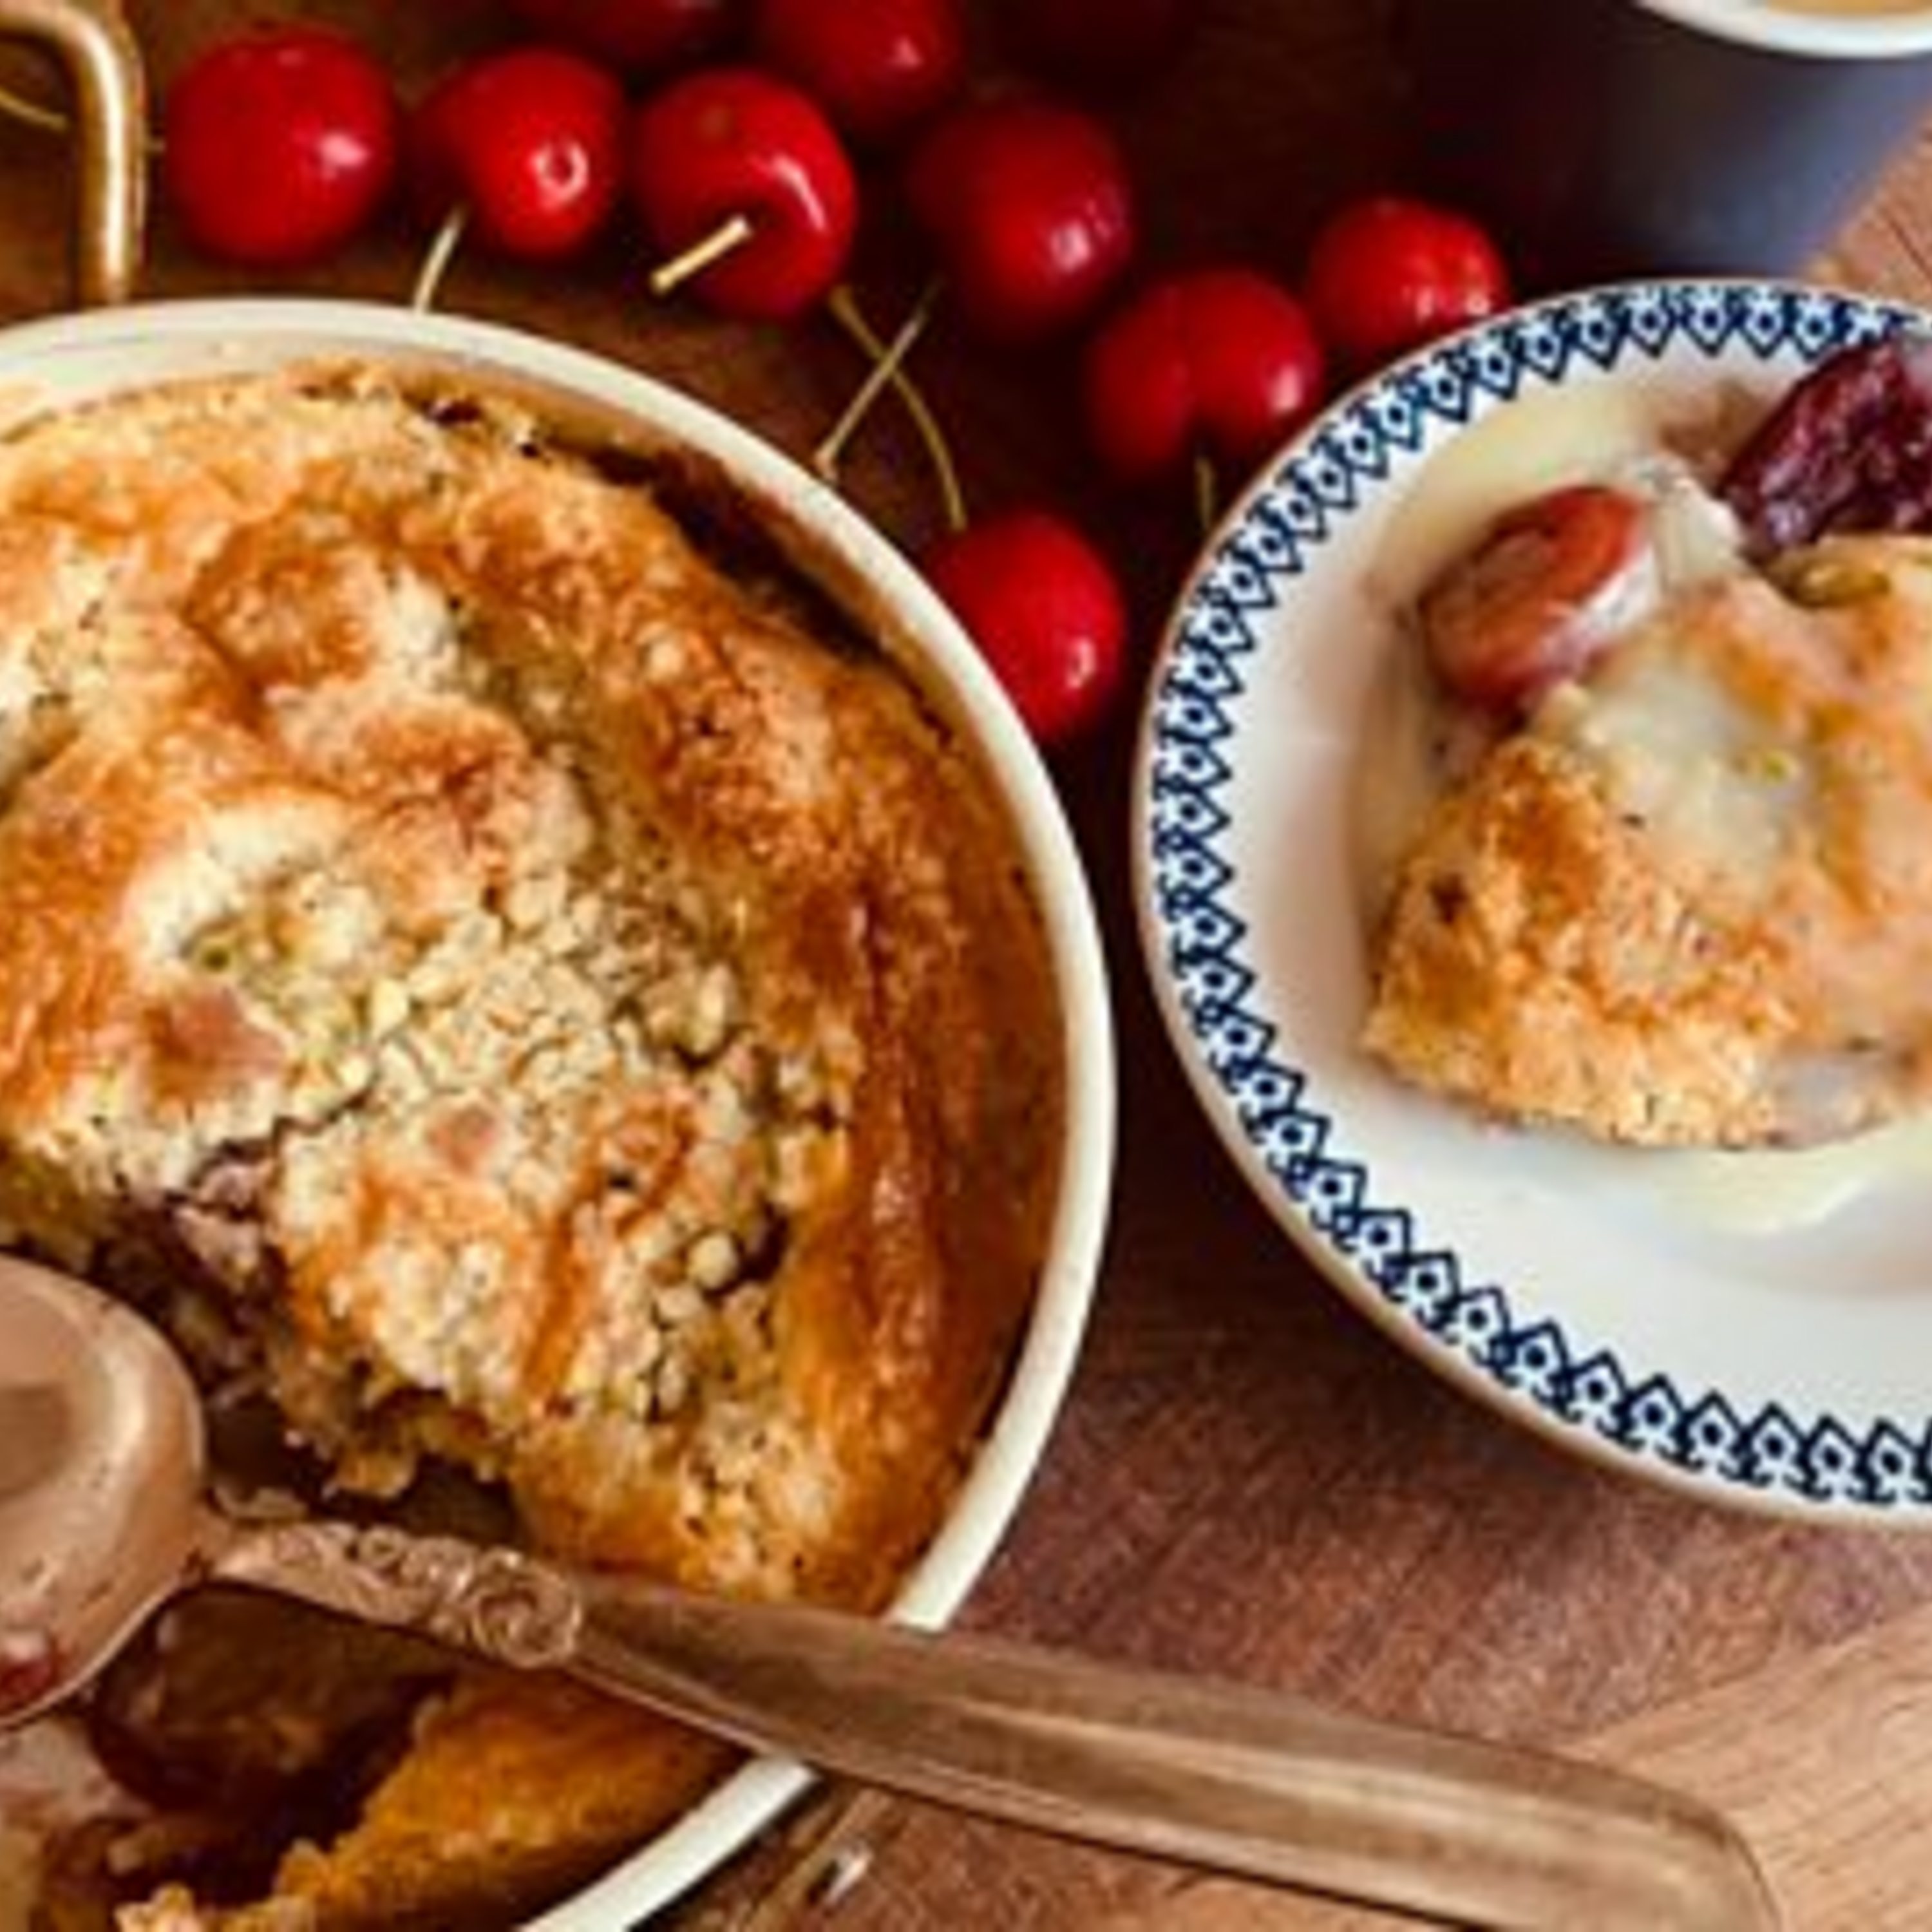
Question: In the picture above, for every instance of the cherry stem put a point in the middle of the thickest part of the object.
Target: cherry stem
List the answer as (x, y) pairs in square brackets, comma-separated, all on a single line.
[(888, 363), (888, 368), (728, 235), (47, 120), (1206, 494), (32, 114), (436, 262)]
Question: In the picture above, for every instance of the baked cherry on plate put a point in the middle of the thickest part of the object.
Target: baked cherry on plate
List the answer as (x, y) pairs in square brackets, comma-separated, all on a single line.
[(279, 144), (1044, 607), (877, 67), (1387, 274), (527, 144), (1029, 206), (1219, 363), (639, 36), (743, 183), (1554, 582)]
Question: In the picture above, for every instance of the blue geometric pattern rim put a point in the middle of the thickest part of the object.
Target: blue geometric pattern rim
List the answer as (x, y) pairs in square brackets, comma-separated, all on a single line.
[(1806, 1459)]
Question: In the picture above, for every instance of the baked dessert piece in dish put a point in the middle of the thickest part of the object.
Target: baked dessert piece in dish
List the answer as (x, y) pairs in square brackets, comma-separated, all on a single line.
[(1672, 887), (513, 978), (1682, 895)]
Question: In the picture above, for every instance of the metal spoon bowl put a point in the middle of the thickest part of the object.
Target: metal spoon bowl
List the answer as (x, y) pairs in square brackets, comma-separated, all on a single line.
[(102, 1518), (100, 1480)]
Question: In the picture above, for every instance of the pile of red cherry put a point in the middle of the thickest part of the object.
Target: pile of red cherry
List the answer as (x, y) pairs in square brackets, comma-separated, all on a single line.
[(737, 133)]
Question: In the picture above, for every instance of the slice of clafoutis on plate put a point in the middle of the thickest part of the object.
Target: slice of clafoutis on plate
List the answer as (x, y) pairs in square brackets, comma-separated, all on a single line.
[(1676, 889)]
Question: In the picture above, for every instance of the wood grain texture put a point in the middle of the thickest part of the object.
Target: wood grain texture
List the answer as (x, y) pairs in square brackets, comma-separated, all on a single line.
[(1249, 1480), (1823, 1760)]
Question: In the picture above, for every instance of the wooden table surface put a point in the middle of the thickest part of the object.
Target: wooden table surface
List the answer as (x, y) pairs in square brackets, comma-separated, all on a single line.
[(1249, 1480)]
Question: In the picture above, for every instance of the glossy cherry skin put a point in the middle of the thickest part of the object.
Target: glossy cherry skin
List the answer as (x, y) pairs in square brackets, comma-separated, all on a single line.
[(877, 67), (1552, 586), (1222, 361), (734, 142), (1029, 205), (1387, 274), (530, 143), (279, 145), (1043, 607), (1098, 46), (639, 36)]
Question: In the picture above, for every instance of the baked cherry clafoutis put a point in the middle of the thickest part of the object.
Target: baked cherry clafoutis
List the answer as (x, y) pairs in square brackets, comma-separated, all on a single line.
[(515, 979)]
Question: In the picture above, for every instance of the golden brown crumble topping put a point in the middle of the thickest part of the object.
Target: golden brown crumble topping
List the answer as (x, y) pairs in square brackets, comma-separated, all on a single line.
[(547, 1004)]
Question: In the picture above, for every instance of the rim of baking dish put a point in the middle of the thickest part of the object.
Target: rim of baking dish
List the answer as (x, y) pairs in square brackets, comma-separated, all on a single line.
[(1757, 23), (64, 360)]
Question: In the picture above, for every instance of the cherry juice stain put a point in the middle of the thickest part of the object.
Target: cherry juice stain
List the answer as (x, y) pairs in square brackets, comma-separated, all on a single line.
[(30, 1667)]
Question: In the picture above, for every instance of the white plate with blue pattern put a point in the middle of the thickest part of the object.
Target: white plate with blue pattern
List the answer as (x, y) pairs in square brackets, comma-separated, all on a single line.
[(1756, 1328)]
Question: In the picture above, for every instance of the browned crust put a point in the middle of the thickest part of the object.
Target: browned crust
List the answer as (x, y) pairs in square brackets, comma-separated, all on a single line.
[(494, 1784), (805, 821), (1538, 964)]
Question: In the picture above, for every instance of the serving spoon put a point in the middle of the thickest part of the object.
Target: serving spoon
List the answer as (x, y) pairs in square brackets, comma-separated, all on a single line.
[(102, 1518)]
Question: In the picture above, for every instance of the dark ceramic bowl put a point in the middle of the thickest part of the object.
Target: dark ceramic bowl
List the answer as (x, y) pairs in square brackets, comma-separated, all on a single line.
[(1605, 138)]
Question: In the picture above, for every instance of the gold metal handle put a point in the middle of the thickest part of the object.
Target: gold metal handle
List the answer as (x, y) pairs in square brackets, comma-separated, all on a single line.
[(94, 43), (1227, 1777), (1220, 1775)]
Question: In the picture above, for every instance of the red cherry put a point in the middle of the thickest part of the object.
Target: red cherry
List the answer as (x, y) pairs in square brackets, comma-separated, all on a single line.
[(1100, 46), (528, 143), (1031, 208), (1045, 610), (1387, 274), (641, 36), (279, 144), (733, 145), (877, 67), (1221, 358)]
